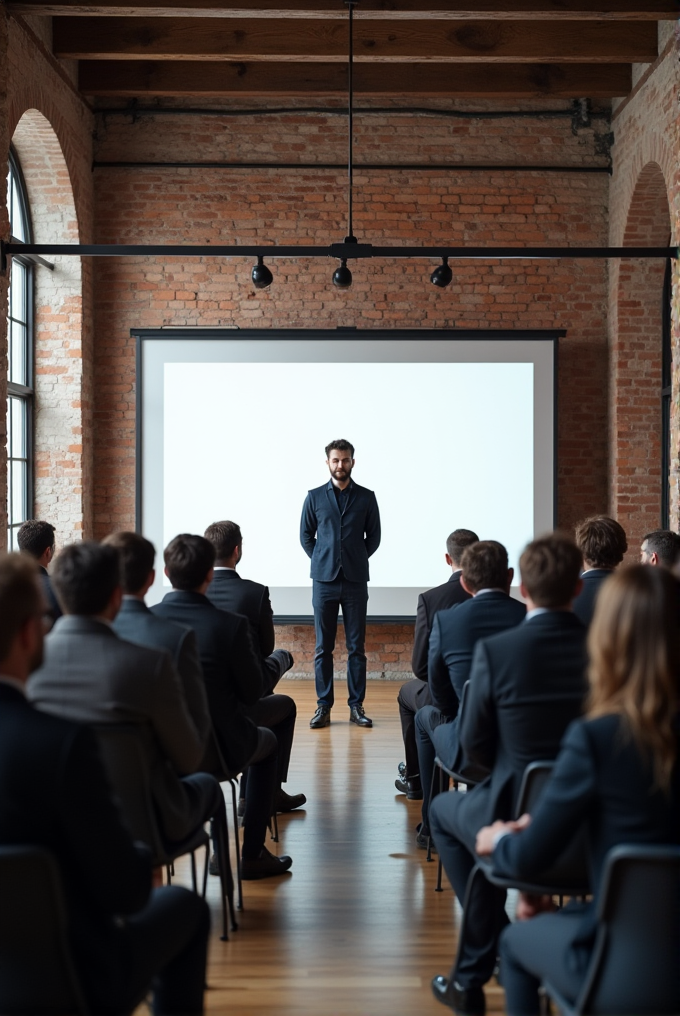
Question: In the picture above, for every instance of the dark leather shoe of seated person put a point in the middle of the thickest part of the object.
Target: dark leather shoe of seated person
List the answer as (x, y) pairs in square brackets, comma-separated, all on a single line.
[(264, 866), (463, 1001), (321, 718), (358, 716), (412, 788), (422, 837), (288, 802)]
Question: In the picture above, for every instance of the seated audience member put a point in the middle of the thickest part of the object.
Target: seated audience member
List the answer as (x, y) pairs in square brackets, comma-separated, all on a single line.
[(37, 539), (455, 633), (617, 771), (55, 795), (233, 681), (526, 685), (229, 591), (415, 694), (660, 549), (134, 622), (89, 675), (602, 542)]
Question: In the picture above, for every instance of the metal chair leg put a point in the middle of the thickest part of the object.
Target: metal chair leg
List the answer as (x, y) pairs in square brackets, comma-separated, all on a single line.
[(205, 869), (429, 838), (193, 870), (237, 844)]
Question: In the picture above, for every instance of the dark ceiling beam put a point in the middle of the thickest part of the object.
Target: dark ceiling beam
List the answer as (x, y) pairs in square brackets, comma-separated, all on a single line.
[(389, 10), (418, 41), (205, 78)]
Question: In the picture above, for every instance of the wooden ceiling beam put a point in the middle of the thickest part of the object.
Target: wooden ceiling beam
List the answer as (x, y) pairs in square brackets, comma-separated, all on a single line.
[(324, 41), (201, 78), (389, 10)]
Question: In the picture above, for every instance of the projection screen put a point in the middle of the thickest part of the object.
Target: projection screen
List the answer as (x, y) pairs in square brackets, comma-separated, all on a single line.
[(452, 429)]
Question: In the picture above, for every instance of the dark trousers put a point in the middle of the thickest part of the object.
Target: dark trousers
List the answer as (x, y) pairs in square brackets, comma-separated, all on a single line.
[(206, 797), (263, 767), (164, 947), (542, 948), (435, 735), (274, 667), (277, 713), (413, 695), (327, 598), (484, 916)]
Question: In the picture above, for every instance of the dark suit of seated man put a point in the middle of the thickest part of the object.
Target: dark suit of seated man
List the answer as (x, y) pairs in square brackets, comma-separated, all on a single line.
[(526, 685), (123, 935), (455, 633), (89, 675), (415, 694), (233, 681), (602, 542), (36, 538)]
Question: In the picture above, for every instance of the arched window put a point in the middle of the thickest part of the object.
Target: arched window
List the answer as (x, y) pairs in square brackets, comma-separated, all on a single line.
[(19, 362)]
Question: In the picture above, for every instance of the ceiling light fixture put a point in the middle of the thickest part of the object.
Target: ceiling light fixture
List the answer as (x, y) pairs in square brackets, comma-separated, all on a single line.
[(261, 275), (342, 277), (442, 275)]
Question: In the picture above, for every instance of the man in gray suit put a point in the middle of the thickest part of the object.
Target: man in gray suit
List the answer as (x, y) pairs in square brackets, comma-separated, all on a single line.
[(134, 622), (89, 675)]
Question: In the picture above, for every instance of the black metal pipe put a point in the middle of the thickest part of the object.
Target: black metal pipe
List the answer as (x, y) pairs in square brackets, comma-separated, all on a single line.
[(455, 114), (411, 167)]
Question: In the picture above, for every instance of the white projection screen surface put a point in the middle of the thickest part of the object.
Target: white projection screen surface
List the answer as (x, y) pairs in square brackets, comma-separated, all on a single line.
[(451, 430)]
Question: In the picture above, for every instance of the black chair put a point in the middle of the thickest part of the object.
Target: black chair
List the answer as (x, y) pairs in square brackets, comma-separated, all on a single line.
[(37, 974), (635, 966), (123, 758), (214, 763)]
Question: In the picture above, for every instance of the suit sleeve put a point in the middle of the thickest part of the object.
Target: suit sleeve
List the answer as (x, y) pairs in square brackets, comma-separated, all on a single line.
[(437, 670), (171, 720), (245, 664), (98, 841), (421, 637), (372, 538), (569, 798), (478, 733), (266, 636), (308, 527), (193, 684)]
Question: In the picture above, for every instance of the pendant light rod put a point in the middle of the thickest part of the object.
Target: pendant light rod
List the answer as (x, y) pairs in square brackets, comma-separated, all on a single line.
[(350, 238)]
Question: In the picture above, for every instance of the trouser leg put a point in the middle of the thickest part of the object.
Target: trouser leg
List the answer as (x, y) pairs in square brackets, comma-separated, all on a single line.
[(326, 604), (413, 695), (354, 603), (427, 719), (206, 797), (260, 790), (278, 714), (275, 666), (542, 949)]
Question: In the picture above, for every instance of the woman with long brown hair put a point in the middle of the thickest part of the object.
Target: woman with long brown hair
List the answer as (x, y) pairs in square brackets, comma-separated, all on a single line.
[(617, 772)]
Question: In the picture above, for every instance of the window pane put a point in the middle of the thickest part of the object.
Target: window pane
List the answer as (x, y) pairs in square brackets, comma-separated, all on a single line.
[(17, 292), (18, 492), (17, 438), (17, 361)]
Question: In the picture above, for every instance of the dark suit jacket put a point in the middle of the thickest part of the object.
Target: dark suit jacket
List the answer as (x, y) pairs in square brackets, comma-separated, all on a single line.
[(89, 675), (229, 591), (455, 633), (584, 604), (135, 623), (53, 608), (600, 778), (526, 686), (337, 542), (429, 603), (55, 795), (231, 668)]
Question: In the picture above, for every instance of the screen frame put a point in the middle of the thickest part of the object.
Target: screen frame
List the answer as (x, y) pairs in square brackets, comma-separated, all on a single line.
[(184, 333)]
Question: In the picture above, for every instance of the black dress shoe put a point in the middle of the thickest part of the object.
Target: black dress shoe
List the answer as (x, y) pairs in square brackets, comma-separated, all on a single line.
[(358, 716), (321, 718), (411, 788), (265, 866), (422, 837), (288, 802), (463, 1001)]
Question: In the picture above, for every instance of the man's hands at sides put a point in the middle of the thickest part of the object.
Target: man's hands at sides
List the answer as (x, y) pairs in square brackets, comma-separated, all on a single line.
[(486, 837)]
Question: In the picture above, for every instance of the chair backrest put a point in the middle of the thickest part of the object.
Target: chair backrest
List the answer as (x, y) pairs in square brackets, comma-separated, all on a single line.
[(636, 965), (123, 757), (571, 868), (37, 974), (469, 773)]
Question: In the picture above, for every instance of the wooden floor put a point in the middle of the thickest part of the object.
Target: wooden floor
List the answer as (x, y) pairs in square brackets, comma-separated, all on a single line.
[(355, 927)]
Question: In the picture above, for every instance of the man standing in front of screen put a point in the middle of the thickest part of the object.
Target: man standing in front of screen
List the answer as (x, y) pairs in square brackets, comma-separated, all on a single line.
[(339, 530)]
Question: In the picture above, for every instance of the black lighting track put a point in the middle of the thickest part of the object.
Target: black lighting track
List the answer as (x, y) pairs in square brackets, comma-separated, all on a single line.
[(333, 250), (411, 167)]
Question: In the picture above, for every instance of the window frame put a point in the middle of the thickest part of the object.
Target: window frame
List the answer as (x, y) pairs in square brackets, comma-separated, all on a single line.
[(25, 393)]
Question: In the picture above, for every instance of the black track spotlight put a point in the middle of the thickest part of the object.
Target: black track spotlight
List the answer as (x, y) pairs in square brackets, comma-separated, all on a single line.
[(442, 275), (342, 277), (261, 275)]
